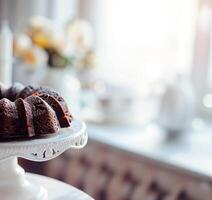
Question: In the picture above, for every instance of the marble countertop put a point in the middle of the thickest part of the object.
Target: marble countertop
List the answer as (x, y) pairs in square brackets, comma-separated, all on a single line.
[(190, 150)]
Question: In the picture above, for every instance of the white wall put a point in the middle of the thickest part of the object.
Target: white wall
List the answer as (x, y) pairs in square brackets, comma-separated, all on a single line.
[(17, 12)]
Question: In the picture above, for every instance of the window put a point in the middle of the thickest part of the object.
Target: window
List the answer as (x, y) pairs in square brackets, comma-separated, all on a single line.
[(143, 42)]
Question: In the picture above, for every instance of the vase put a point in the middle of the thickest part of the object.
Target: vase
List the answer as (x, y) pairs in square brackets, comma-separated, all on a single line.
[(66, 84), (27, 75), (177, 108)]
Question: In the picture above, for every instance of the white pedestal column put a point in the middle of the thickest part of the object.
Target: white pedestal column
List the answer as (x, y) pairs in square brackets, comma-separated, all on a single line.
[(15, 186)]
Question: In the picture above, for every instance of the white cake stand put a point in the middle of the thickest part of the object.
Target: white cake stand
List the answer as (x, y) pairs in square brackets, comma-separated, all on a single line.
[(13, 182)]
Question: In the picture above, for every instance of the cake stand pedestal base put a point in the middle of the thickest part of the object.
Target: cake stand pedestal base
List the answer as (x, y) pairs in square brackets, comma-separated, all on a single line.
[(14, 184)]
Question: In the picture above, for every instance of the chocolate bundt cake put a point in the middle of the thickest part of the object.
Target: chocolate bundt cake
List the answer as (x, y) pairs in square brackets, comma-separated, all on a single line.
[(31, 111)]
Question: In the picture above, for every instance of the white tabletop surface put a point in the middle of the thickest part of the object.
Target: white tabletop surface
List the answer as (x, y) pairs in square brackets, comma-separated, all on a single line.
[(58, 190), (192, 150)]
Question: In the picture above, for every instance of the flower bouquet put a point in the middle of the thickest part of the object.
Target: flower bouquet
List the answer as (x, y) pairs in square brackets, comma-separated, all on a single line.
[(45, 46)]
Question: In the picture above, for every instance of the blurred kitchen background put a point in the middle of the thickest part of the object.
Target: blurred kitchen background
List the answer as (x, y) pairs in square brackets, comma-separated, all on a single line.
[(139, 73)]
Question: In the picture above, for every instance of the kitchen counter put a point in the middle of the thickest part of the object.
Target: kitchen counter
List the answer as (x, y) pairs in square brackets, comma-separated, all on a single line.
[(190, 150)]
